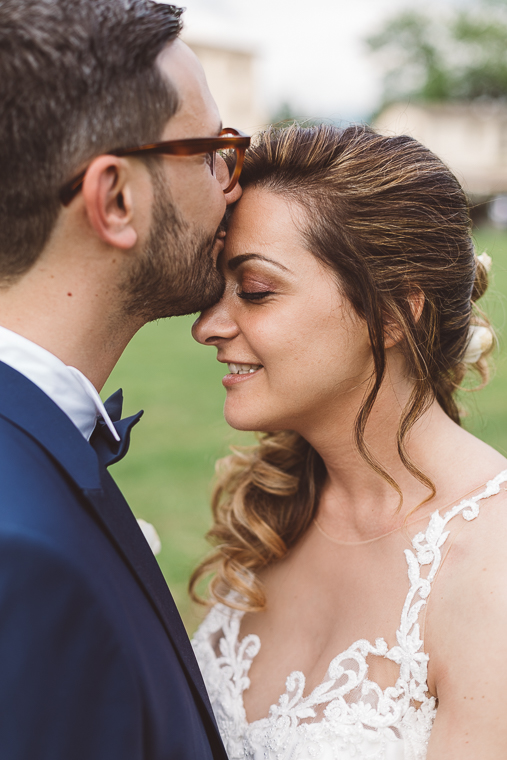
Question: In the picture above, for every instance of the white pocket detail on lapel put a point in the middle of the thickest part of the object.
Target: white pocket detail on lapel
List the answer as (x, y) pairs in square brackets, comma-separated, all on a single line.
[(151, 536)]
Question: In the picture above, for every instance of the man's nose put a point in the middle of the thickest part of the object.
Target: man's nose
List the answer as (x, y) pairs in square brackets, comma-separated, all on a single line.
[(223, 176), (234, 195)]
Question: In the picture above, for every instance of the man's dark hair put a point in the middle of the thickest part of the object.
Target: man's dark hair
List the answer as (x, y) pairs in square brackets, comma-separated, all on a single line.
[(77, 78)]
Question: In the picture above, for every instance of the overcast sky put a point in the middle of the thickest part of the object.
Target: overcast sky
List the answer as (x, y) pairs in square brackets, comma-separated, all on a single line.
[(311, 53)]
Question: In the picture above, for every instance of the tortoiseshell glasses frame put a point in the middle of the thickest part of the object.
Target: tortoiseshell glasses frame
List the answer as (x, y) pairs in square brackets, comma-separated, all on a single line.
[(229, 139)]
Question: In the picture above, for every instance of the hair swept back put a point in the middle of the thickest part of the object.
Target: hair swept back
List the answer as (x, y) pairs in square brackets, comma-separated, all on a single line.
[(391, 220)]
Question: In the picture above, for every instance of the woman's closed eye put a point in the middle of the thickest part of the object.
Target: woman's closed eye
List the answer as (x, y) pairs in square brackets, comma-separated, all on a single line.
[(255, 286), (254, 296)]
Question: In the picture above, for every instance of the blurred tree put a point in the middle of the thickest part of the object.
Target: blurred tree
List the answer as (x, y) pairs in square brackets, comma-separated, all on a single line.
[(457, 54), (286, 114)]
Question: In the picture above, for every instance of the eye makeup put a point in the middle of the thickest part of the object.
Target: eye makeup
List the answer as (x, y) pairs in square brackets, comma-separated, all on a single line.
[(251, 296), (236, 261), (256, 277), (256, 284)]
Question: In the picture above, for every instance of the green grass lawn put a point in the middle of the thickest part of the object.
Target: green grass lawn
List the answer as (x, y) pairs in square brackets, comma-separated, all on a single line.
[(487, 409), (167, 474)]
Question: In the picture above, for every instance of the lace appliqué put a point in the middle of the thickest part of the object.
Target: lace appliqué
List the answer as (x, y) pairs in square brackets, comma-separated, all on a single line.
[(346, 716)]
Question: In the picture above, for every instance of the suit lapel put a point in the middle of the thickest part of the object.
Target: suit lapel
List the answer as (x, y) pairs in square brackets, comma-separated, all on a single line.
[(118, 518), (29, 408)]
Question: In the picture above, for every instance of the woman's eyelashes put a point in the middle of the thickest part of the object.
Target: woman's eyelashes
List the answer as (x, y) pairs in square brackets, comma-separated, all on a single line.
[(254, 288), (248, 295)]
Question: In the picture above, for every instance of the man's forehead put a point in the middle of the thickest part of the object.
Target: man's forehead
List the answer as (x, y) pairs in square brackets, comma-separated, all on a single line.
[(197, 114)]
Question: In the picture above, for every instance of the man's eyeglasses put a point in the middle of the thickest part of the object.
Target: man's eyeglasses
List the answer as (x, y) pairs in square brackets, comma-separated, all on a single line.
[(230, 144)]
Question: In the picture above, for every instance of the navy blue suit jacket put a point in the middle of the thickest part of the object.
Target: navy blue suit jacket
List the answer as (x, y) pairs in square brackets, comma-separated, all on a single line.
[(95, 663)]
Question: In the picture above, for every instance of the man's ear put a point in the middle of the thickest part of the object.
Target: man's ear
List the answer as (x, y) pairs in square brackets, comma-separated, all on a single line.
[(107, 194), (393, 333)]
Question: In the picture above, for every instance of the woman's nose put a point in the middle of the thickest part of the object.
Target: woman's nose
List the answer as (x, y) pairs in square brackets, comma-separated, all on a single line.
[(214, 326)]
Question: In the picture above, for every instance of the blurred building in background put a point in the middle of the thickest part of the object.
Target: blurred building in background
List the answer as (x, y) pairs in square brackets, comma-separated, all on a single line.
[(445, 83), (230, 64), (470, 137)]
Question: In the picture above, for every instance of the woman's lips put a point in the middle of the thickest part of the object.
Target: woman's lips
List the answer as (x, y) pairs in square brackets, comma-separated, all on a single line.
[(240, 373)]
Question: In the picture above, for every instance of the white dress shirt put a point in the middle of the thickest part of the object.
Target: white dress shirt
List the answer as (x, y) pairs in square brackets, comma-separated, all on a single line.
[(66, 386)]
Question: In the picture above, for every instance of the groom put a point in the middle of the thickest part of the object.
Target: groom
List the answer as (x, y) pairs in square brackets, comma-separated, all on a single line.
[(94, 660)]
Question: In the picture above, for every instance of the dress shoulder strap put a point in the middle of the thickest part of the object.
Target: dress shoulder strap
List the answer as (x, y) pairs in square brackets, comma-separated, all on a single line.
[(423, 561), (470, 507), (427, 544)]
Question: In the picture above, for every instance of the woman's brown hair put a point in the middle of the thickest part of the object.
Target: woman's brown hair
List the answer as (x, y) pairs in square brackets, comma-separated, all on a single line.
[(392, 221)]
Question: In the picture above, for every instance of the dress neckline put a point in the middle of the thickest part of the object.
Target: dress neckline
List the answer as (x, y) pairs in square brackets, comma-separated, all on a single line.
[(237, 655), (406, 524)]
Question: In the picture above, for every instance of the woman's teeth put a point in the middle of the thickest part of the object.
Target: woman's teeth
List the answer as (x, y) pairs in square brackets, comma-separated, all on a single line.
[(243, 369)]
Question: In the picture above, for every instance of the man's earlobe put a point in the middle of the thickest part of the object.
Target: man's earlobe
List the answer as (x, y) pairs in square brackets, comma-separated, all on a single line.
[(108, 201)]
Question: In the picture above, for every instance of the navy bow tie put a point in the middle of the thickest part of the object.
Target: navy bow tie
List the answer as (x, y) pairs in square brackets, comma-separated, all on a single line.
[(108, 449)]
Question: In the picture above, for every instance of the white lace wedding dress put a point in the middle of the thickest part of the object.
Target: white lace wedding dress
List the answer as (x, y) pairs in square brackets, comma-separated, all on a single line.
[(347, 716)]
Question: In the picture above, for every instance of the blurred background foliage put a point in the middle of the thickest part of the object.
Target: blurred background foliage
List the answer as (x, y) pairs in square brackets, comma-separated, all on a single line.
[(168, 473), (457, 53)]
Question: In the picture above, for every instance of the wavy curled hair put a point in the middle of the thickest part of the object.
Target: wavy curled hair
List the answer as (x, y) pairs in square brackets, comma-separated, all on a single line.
[(392, 221)]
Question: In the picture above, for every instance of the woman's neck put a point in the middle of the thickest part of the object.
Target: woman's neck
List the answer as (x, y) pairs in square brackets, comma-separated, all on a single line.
[(357, 503)]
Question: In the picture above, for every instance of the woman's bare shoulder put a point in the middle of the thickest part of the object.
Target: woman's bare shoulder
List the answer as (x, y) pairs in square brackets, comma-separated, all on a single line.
[(466, 641), (468, 604), (478, 538)]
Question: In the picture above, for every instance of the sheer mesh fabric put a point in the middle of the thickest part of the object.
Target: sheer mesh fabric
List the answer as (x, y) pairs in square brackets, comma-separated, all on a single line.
[(369, 701)]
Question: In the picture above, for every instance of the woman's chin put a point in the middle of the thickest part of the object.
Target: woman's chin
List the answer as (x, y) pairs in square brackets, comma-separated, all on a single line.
[(241, 423), (238, 420)]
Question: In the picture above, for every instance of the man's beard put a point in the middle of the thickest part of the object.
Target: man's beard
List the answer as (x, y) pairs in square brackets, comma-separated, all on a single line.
[(176, 272)]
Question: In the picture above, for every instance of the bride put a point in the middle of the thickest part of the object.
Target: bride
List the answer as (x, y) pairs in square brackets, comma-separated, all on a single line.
[(360, 563)]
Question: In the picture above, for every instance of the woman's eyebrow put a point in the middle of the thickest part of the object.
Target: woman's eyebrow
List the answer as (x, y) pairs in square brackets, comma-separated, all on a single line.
[(236, 261)]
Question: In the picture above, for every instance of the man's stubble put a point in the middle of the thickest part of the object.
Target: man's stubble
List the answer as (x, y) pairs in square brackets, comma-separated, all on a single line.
[(176, 271)]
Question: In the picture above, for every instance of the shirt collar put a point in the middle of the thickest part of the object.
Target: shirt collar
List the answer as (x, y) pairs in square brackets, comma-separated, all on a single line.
[(66, 386)]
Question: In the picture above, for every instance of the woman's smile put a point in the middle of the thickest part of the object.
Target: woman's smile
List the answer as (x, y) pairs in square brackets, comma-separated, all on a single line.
[(240, 372), (282, 323)]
